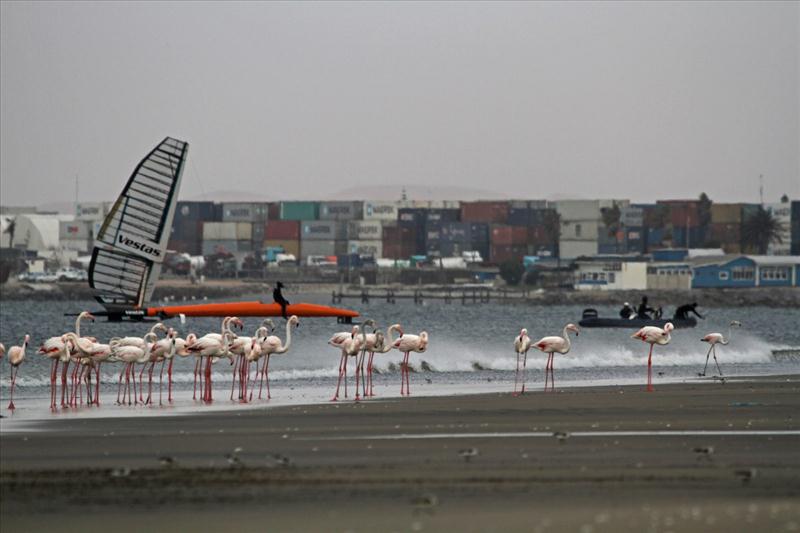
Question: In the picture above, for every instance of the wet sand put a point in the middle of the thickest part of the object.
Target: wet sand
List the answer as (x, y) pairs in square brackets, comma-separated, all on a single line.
[(553, 462)]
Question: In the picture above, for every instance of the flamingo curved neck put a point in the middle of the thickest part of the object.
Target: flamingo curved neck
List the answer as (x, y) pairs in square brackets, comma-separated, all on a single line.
[(567, 343), (285, 347)]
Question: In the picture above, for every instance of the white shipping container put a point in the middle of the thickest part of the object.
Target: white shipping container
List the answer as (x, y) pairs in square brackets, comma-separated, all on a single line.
[(231, 231), (365, 230), (380, 211), (317, 247), (340, 210), (365, 247), (322, 230), (244, 212)]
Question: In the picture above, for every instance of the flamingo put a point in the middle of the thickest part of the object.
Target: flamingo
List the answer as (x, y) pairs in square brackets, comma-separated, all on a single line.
[(379, 345), (350, 346), (16, 355), (551, 345), (272, 345), (53, 348), (78, 350), (2, 350), (212, 345), (653, 335), (408, 344), (521, 346), (716, 338), (367, 344)]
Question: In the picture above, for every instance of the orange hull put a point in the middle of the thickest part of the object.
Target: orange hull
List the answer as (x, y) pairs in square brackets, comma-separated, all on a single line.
[(241, 309)]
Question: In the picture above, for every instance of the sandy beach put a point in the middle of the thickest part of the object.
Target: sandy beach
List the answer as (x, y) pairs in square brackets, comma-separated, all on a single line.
[(689, 457)]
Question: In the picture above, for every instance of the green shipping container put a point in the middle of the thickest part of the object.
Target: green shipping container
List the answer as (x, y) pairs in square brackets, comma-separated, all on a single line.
[(299, 210)]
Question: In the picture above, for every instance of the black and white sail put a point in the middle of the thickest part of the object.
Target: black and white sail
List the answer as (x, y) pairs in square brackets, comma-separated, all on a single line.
[(132, 242)]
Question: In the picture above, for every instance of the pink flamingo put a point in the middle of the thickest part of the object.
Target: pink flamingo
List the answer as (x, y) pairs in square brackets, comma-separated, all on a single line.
[(87, 355), (407, 344), (716, 338), (272, 345), (378, 343), (552, 345), (16, 355), (350, 346), (212, 346), (653, 335), (54, 349), (521, 346)]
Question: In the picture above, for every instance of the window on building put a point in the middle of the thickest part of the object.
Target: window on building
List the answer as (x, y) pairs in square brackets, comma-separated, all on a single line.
[(577, 230), (743, 273), (774, 273), (612, 277), (723, 275)]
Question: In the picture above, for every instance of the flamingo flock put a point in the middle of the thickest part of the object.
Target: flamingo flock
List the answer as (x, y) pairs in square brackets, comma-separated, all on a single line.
[(80, 358)]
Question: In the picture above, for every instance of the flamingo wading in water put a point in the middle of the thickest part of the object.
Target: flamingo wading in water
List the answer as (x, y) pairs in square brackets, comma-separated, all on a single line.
[(16, 355), (407, 344), (716, 338), (380, 344), (653, 335), (272, 345), (350, 346), (552, 345), (521, 346)]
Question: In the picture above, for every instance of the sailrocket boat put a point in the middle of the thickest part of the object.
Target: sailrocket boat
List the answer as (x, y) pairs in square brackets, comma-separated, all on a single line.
[(132, 242)]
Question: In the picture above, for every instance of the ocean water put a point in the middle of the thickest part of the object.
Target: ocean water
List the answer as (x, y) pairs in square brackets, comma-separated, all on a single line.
[(470, 345)]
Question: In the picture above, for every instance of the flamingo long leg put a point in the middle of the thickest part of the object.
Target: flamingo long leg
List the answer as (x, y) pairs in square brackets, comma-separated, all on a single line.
[(516, 375), (13, 377), (53, 374), (235, 369), (707, 354), (64, 370), (650, 370), (715, 360), (97, 387), (161, 381), (524, 371), (119, 387), (169, 380), (371, 387), (266, 373), (339, 383), (196, 369)]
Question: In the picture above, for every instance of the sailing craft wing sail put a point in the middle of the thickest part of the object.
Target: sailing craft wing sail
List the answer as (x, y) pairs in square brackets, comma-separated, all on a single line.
[(132, 242)]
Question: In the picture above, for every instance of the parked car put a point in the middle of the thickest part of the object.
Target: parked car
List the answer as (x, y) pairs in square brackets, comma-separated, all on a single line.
[(71, 274)]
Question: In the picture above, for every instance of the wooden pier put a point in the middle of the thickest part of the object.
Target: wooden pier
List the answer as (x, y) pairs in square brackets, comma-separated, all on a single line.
[(466, 295)]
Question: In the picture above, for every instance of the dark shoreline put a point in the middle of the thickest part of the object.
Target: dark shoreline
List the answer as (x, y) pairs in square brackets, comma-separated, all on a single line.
[(180, 290), (309, 468)]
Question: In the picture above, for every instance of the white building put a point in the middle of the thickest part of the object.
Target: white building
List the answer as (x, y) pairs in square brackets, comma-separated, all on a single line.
[(581, 223), (608, 273)]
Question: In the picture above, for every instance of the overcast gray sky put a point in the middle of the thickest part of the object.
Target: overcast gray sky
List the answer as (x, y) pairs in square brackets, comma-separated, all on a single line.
[(301, 100)]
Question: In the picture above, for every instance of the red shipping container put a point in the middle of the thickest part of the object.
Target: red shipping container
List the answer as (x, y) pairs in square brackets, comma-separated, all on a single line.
[(285, 230), (398, 234), (488, 212), (537, 235), (682, 212), (509, 235), (274, 211), (501, 253)]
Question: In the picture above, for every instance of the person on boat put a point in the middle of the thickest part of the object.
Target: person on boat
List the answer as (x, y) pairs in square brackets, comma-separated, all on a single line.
[(644, 309), (682, 312), (279, 299), (627, 311), (659, 312)]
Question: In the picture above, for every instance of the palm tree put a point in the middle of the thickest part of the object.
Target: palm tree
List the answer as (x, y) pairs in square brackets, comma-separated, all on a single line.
[(611, 220), (552, 229), (760, 229)]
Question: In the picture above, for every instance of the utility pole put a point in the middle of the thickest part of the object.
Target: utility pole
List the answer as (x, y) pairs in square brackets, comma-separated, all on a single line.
[(76, 194), (761, 188)]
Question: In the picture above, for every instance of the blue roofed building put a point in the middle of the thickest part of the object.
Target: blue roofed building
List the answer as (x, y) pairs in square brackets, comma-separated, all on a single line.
[(746, 271)]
